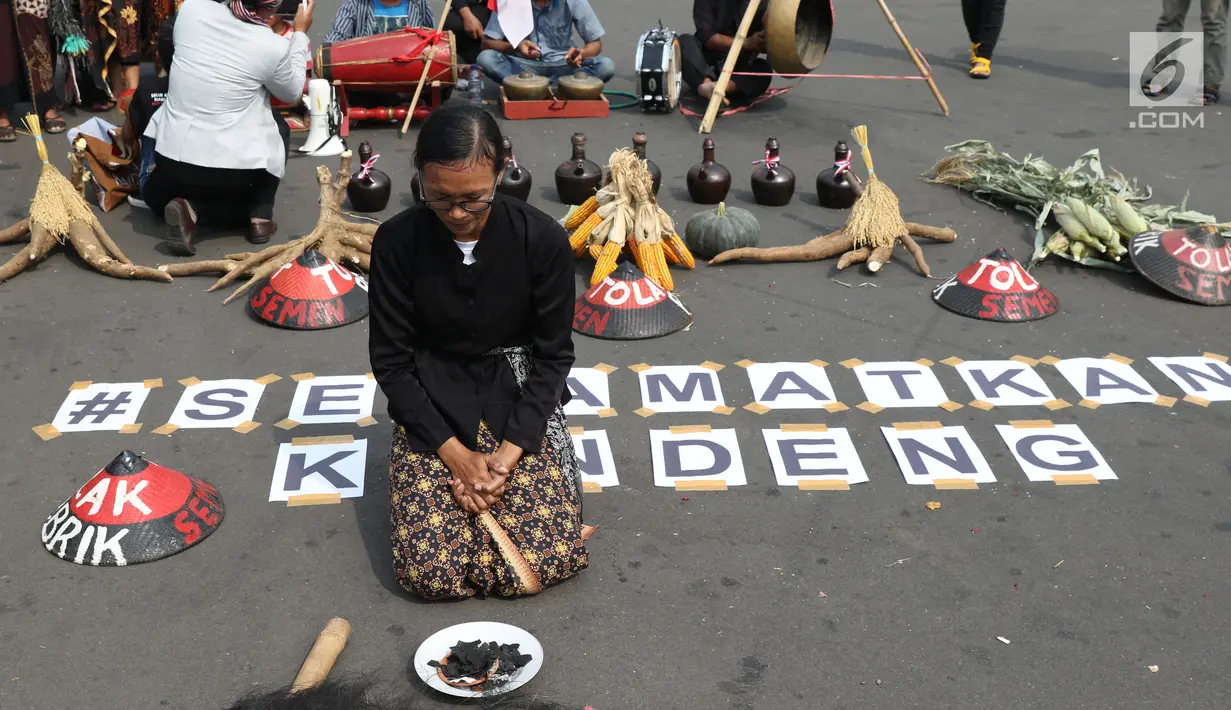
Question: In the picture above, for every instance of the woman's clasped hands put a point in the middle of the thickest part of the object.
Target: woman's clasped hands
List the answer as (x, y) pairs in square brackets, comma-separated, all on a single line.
[(478, 481)]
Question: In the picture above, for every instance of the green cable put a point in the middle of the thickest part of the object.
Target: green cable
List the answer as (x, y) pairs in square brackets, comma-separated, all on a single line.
[(635, 101)]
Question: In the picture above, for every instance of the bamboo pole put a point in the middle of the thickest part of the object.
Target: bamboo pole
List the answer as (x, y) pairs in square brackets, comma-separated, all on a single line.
[(429, 56), (324, 653), (914, 57), (720, 87)]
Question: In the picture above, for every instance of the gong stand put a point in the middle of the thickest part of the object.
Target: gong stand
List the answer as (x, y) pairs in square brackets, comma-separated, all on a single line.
[(737, 45)]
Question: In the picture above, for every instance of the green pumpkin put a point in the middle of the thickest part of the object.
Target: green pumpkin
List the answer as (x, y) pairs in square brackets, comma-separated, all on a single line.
[(712, 232)]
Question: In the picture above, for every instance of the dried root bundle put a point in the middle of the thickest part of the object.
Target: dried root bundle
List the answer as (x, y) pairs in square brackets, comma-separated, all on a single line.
[(622, 216), (339, 239), (60, 215)]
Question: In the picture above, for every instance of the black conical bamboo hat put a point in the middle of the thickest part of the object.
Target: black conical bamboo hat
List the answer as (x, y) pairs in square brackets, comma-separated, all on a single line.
[(304, 296), (996, 288), (627, 305), (132, 511), (1193, 263)]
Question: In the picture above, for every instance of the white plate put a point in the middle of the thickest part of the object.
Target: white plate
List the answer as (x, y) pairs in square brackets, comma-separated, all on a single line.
[(438, 644)]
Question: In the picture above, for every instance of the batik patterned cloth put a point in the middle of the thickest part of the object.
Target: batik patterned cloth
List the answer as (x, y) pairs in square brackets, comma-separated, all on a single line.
[(36, 51), (440, 551)]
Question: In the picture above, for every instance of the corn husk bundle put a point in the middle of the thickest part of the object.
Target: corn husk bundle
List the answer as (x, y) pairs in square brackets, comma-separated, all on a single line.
[(1097, 211), (60, 215), (874, 227), (624, 216), (338, 239)]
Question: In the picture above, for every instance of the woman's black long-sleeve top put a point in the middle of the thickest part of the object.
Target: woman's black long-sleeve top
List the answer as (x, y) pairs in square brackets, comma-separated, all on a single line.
[(434, 322)]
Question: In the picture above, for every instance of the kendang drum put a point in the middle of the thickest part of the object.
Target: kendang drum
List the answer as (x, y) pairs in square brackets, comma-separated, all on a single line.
[(392, 61), (658, 70), (797, 34)]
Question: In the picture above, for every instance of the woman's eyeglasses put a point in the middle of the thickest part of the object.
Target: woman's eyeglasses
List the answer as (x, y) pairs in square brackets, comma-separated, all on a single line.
[(471, 206)]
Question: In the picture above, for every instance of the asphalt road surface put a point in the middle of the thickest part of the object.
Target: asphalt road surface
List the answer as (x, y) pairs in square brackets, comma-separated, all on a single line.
[(757, 597)]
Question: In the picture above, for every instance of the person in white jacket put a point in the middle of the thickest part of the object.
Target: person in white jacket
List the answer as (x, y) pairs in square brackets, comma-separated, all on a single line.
[(220, 148)]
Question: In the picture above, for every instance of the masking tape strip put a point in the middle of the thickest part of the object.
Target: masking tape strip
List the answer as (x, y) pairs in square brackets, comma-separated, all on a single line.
[(644, 412), (605, 368), (916, 426), (1194, 399), (46, 432), (1057, 404), (746, 363), (1074, 479), (1118, 358), (980, 404), (1165, 401), (366, 421), (190, 381), (852, 362), (953, 361), (824, 484), (1031, 423), (287, 424), (1049, 359), (924, 361), (267, 379), (313, 499), (723, 410), (574, 430), (301, 376), (640, 367), (955, 484), (604, 413), (590, 487), (951, 406), (131, 428), (757, 407), (80, 385), (803, 427), (690, 429), (1089, 404), (153, 384), (1029, 361), (371, 375), (836, 407), (719, 485), (314, 440), (818, 363), (709, 365), (166, 429), (245, 427), (1215, 356), (870, 408)]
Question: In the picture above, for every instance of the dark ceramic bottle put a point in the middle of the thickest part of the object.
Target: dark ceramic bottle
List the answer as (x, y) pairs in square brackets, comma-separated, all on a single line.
[(639, 141), (708, 181), (516, 180), (578, 178), (835, 186), (370, 192), (773, 183)]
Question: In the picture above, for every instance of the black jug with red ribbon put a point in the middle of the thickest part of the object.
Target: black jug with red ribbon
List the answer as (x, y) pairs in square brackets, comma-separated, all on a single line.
[(369, 188), (837, 186)]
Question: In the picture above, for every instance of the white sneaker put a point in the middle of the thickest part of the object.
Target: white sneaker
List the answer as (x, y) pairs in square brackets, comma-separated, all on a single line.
[(137, 202)]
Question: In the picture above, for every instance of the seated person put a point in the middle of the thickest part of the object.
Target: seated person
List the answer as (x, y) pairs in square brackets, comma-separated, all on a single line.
[(466, 21), (362, 18), (291, 113), (549, 50), (221, 148), (703, 54)]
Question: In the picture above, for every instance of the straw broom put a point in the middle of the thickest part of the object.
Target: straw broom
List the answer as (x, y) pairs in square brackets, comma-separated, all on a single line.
[(876, 219), (59, 215)]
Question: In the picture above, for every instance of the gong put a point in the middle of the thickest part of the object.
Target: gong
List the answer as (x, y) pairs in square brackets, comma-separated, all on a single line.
[(797, 34)]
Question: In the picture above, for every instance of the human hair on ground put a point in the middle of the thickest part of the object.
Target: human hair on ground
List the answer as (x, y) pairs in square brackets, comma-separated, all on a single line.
[(359, 694)]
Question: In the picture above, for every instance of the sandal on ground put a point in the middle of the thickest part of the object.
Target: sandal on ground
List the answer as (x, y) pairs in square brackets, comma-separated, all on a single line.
[(126, 98), (54, 125), (974, 53), (1210, 95), (8, 134), (103, 107), (981, 69)]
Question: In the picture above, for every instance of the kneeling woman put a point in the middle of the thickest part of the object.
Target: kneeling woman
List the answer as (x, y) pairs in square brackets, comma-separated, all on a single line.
[(471, 341)]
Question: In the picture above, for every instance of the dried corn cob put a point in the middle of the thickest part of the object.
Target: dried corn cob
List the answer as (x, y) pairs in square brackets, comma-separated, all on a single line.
[(659, 260), (606, 263), (681, 250), (582, 213), (669, 252), (596, 250), (581, 235)]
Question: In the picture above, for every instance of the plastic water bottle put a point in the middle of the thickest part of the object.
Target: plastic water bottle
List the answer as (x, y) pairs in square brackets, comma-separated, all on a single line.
[(474, 86)]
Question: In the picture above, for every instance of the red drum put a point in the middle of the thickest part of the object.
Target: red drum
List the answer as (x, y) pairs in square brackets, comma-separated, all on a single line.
[(389, 62)]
